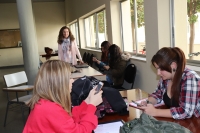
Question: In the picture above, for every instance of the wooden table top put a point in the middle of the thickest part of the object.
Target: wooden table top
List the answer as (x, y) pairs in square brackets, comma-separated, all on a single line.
[(192, 124)]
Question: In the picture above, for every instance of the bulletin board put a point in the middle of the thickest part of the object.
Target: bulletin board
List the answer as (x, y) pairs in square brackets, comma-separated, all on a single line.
[(10, 38)]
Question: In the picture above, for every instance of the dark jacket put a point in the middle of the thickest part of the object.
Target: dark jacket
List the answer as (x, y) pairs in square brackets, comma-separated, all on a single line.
[(148, 124), (117, 72)]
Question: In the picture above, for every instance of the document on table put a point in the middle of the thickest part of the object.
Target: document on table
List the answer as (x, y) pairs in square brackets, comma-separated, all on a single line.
[(111, 127), (139, 101)]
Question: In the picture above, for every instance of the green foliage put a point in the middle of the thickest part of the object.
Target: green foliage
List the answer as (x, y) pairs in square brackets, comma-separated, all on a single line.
[(100, 17), (193, 7), (140, 12)]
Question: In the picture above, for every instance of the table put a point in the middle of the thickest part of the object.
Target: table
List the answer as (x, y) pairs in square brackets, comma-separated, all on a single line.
[(84, 71), (192, 124)]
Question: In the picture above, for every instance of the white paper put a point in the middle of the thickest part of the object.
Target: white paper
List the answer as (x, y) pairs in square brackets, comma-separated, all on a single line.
[(112, 127)]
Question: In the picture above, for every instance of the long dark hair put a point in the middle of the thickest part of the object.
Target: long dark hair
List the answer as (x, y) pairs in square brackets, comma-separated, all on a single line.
[(115, 55), (163, 58), (61, 37), (104, 55)]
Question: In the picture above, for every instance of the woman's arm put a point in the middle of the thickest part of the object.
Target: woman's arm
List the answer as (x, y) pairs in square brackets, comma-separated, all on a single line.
[(190, 86), (77, 51)]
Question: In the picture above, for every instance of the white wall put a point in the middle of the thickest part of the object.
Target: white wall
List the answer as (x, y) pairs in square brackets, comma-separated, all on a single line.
[(49, 18)]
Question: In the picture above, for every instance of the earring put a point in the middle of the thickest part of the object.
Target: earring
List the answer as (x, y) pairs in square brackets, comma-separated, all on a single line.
[(174, 70)]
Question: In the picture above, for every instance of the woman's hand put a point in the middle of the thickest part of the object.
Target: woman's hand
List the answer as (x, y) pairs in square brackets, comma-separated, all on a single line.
[(149, 109), (94, 59), (94, 99), (106, 67), (81, 62)]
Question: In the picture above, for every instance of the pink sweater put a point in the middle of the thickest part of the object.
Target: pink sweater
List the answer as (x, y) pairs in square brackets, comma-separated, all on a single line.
[(74, 52), (50, 117)]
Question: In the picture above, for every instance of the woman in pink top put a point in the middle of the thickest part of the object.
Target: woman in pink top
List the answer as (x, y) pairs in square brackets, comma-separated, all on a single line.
[(51, 103), (67, 47)]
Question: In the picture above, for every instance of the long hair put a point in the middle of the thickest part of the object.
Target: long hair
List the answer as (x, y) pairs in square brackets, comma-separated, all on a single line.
[(104, 55), (115, 55), (52, 83), (61, 37), (163, 58)]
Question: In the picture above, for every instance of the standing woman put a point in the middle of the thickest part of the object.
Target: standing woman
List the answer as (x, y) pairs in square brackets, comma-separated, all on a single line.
[(67, 47), (178, 87)]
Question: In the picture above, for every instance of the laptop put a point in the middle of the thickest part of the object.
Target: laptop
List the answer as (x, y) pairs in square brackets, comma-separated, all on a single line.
[(82, 65)]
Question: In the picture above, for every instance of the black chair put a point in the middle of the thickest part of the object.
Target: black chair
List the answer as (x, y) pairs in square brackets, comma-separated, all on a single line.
[(129, 78), (84, 57), (91, 60), (88, 58)]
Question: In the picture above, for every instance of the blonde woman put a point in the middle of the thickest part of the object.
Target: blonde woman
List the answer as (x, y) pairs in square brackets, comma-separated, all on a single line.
[(51, 103)]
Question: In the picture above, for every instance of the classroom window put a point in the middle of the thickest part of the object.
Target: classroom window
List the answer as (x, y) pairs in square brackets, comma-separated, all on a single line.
[(95, 29), (74, 29), (133, 27), (186, 25)]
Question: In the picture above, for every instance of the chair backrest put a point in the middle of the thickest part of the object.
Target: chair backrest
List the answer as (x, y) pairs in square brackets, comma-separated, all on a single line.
[(91, 60), (88, 58), (129, 76), (15, 78), (84, 57)]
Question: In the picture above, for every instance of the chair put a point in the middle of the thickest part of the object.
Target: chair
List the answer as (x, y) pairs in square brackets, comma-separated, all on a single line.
[(14, 84), (88, 58), (91, 60), (129, 78), (84, 57)]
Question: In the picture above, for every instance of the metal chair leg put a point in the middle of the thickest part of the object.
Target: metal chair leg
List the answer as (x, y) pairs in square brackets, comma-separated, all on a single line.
[(6, 114)]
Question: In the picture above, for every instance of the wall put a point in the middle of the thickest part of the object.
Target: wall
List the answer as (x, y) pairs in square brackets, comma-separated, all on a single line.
[(49, 18)]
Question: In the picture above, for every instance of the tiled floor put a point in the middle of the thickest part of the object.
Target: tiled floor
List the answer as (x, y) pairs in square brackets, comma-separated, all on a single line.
[(14, 119)]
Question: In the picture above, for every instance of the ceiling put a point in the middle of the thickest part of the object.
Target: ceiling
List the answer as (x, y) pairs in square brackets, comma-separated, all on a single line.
[(14, 1)]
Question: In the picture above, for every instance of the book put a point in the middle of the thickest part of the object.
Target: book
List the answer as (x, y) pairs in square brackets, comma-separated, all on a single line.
[(133, 104)]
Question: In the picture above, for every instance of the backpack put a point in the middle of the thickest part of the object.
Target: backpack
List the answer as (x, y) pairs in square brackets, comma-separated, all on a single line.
[(112, 100)]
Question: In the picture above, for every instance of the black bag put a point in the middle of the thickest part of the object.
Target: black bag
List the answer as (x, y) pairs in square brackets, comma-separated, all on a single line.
[(80, 90)]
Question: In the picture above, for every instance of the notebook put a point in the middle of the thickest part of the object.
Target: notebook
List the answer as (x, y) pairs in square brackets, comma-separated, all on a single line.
[(82, 65), (109, 127)]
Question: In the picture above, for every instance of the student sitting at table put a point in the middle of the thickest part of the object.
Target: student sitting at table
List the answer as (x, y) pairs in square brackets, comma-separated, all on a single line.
[(104, 56), (178, 87), (51, 103), (117, 65)]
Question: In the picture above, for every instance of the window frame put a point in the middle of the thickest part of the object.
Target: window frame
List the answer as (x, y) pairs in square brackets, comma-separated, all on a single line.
[(76, 34), (136, 35), (96, 28)]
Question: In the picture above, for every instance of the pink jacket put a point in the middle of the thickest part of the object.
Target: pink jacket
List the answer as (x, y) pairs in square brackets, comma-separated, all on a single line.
[(50, 117), (74, 51)]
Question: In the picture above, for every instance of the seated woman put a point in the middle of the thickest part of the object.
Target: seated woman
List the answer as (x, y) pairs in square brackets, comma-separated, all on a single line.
[(178, 87), (117, 65), (51, 103), (104, 56)]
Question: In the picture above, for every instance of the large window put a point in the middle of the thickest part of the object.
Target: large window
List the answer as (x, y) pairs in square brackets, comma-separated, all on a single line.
[(74, 29), (133, 30), (95, 29), (186, 24)]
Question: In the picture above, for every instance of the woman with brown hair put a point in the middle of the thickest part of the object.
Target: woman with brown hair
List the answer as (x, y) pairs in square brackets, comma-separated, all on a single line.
[(116, 65), (178, 87), (104, 56), (67, 47), (51, 103)]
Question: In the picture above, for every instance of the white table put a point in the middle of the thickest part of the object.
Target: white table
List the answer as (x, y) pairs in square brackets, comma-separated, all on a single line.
[(86, 72)]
